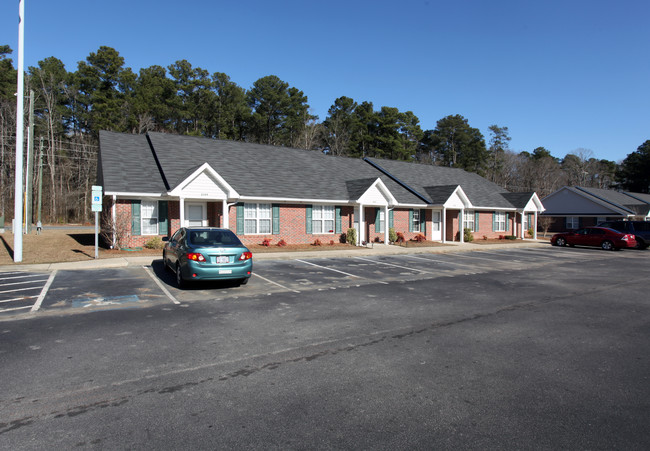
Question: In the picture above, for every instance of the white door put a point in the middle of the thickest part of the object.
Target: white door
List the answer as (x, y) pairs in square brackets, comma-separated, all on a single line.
[(436, 229), (196, 215)]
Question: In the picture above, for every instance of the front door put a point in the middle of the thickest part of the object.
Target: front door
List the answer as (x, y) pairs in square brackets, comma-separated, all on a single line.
[(196, 214), (436, 225)]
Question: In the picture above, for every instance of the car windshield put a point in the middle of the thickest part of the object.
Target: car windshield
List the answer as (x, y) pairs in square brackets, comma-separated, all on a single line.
[(213, 238)]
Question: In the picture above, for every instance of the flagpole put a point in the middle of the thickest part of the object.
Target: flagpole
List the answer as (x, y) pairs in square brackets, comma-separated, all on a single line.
[(20, 94)]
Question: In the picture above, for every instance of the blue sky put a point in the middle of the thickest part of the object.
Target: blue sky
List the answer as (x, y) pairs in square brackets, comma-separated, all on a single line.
[(564, 75)]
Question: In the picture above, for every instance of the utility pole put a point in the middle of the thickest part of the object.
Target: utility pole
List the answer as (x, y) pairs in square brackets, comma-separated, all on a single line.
[(20, 102), (29, 168), (40, 181)]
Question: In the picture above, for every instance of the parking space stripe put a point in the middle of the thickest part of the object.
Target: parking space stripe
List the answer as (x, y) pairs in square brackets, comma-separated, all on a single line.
[(438, 261), (23, 282), (341, 272), (17, 299), (41, 296), (161, 286), (275, 283), (395, 266), (19, 289)]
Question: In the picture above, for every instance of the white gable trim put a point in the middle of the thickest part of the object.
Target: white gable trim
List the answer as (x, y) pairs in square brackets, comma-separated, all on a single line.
[(377, 194), (458, 199), (225, 190), (534, 204)]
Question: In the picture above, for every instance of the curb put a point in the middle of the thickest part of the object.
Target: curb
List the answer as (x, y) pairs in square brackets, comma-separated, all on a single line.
[(120, 262)]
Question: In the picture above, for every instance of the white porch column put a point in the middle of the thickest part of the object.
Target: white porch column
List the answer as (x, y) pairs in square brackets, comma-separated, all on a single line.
[(535, 226), (114, 217), (225, 214), (386, 225), (461, 231), (523, 235), (182, 210), (362, 229), (443, 225)]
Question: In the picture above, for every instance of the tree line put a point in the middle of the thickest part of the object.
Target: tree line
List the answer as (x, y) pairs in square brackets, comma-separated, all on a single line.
[(70, 109)]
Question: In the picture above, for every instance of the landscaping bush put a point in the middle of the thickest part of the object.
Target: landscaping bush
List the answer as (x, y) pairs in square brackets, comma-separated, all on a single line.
[(420, 238), (400, 237), (282, 243), (266, 242), (392, 236), (317, 242), (511, 237), (467, 235), (351, 236), (154, 243)]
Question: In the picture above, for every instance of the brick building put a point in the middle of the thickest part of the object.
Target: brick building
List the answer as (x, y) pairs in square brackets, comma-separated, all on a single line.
[(155, 183)]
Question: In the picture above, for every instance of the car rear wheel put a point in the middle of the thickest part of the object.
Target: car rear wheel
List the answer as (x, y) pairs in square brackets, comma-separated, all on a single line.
[(561, 242), (607, 245), (180, 282), (640, 244)]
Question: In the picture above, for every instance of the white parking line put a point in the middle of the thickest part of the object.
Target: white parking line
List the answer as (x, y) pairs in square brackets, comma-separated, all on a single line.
[(341, 272), (275, 283), (39, 301), (395, 266), (19, 289), (21, 283), (17, 299), (161, 286), (439, 261)]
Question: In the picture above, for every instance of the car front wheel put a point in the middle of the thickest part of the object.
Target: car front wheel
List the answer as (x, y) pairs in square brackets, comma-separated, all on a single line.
[(607, 245), (561, 242)]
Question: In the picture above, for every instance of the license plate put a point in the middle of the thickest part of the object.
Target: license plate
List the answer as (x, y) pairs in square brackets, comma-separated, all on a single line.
[(225, 271), (223, 259)]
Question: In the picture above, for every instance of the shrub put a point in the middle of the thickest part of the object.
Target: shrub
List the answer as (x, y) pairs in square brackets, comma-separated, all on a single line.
[(154, 243), (392, 236), (484, 237), (266, 242), (531, 232), (502, 237), (511, 237), (331, 242), (282, 243), (351, 236), (420, 238), (317, 242), (467, 235), (400, 237)]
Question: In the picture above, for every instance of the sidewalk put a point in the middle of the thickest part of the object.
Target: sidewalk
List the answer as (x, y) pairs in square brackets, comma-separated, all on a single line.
[(378, 249)]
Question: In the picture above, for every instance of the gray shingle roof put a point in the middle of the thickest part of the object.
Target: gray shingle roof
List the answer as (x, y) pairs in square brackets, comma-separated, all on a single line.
[(158, 162), (480, 191)]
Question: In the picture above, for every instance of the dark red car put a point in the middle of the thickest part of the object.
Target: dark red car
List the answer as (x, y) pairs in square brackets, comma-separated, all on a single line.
[(603, 237)]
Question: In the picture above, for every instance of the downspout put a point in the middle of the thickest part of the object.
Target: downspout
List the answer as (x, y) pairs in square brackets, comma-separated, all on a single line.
[(114, 216), (443, 226), (386, 225)]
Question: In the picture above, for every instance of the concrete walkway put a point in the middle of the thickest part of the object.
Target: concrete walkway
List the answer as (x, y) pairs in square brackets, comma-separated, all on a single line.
[(378, 249)]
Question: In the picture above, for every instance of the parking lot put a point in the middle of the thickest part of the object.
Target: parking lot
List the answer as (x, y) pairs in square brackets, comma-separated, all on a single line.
[(142, 286)]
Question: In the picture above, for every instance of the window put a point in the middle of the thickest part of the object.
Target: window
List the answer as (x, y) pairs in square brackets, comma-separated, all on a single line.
[(149, 217), (322, 219), (257, 219), (416, 221), (600, 219), (572, 222), (436, 221), (468, 220), (500, 221)]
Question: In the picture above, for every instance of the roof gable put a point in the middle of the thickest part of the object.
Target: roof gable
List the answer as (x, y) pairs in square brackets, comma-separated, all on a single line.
[(573, 202), (204, 183)]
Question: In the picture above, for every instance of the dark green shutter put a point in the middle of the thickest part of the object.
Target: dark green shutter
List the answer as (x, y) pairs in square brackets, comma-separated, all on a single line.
[(494, 221), (308, 225), (337, 220), (476, 218), (377, 219), (423, 221), (135, 218), (163, 220), (391, 220), (276, 219), (240, 218), (410, 220), (507, 222)]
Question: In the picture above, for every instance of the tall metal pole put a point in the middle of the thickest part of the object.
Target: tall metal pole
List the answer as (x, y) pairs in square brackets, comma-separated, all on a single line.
[(40, 181), (18, 195), (29, 168)]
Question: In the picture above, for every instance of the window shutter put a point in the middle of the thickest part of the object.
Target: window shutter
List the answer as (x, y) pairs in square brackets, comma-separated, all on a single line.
[(507, 222), (163, 220), (494, 221), (135, 218), (391, 219), (308, 219), (377, 219), (276, 219), (410, 220), (337, 220), (240, 218), (476, 217)]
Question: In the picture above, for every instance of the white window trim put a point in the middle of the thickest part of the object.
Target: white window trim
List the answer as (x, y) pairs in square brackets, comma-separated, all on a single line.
[(436, 223), (468, 217), (318, 215), (499, 225), (572, 222), (258, 219), (381, 226), (417, 224), (145, 223)]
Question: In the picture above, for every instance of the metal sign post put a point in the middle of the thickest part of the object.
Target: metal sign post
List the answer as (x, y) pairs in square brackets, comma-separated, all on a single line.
[(96, 207)]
